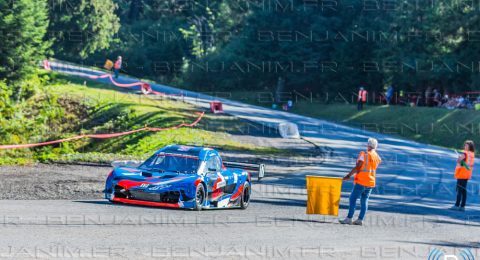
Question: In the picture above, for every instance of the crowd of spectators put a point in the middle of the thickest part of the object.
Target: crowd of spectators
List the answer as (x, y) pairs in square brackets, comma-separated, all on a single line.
[(432, 97)]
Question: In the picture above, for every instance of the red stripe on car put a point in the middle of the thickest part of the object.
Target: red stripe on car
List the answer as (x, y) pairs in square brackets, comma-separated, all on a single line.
[(127, 184), (216, 183), (216, 193), (147, 203), (197, 182), (239, 191)]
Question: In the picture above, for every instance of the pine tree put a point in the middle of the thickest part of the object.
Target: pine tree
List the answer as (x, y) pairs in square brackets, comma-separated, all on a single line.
[(81, 27), (23, 24)]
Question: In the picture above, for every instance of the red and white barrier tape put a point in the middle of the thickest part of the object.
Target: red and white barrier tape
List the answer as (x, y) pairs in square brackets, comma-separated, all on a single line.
[(104, 136), (145, 88), (46, 65)]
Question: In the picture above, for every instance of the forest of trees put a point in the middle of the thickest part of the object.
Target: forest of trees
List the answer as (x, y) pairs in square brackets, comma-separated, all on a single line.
[(221, 45)]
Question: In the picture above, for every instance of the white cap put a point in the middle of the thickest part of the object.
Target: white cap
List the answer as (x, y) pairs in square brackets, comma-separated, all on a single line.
[(372, 143)]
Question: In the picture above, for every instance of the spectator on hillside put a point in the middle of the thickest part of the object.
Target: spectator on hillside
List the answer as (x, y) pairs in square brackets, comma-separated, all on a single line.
[(445, 99), (362, 98), (412, 100), (118, 66), (437, 98), (402, 100), (476, 103), (451, 103), (468, 102), (389, 94), (428, 96), (419, 101), (461, 102), (477, 100)]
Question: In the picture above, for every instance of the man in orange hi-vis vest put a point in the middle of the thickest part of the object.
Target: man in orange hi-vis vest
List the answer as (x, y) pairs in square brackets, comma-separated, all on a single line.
[(365, 170), (362, 98), (463, 173), (117, 66)]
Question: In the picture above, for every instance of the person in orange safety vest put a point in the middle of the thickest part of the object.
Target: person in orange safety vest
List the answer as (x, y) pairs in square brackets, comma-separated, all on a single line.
[(463, 173), (117, 66), (362, 98), (364, 181)]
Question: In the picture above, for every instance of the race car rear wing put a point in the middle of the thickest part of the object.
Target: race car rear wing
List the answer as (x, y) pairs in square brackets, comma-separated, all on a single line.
[(259, 168)]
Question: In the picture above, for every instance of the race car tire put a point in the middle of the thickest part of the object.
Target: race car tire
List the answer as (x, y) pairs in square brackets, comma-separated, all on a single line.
[(199, 197), (245, 199)]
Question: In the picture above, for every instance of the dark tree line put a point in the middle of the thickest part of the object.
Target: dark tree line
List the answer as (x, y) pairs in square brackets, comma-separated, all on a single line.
[(297, 45)]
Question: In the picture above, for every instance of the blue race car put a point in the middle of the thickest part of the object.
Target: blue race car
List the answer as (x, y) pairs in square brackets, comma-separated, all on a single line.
[(183, 177)]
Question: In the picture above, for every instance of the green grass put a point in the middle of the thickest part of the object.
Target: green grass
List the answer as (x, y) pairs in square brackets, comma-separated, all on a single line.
[(437, 126), (71, 105)]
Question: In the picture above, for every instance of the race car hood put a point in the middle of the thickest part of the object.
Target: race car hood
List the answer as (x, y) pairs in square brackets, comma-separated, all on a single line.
[(133, 178)]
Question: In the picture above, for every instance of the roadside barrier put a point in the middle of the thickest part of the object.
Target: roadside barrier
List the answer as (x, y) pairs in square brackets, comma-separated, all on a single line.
[(216, 107), (145, 87), (46, 65), (104, 136)]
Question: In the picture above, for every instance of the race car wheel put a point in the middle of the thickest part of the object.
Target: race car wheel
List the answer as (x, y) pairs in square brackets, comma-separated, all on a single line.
[(245, 200), (199, 197)]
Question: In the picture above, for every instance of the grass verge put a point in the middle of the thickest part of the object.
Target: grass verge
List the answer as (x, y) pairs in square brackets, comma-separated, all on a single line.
[(67, 106), (437, 126)]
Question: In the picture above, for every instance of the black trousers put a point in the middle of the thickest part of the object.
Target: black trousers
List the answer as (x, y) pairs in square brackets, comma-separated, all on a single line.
[(461, 193), (360, 105)]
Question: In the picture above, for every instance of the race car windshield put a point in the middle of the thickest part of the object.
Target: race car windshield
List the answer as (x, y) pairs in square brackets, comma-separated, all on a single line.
[(178, 163)]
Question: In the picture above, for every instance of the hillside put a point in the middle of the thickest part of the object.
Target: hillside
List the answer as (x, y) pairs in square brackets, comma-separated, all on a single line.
[(61, 106), (429, 125), (437, 126)]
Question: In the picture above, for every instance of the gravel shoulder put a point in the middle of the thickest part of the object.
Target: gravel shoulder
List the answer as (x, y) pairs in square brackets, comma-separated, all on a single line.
[(50, 182)]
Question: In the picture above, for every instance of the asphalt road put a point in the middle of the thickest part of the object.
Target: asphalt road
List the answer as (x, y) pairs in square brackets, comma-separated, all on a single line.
[(408, 216), (269, 228)]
